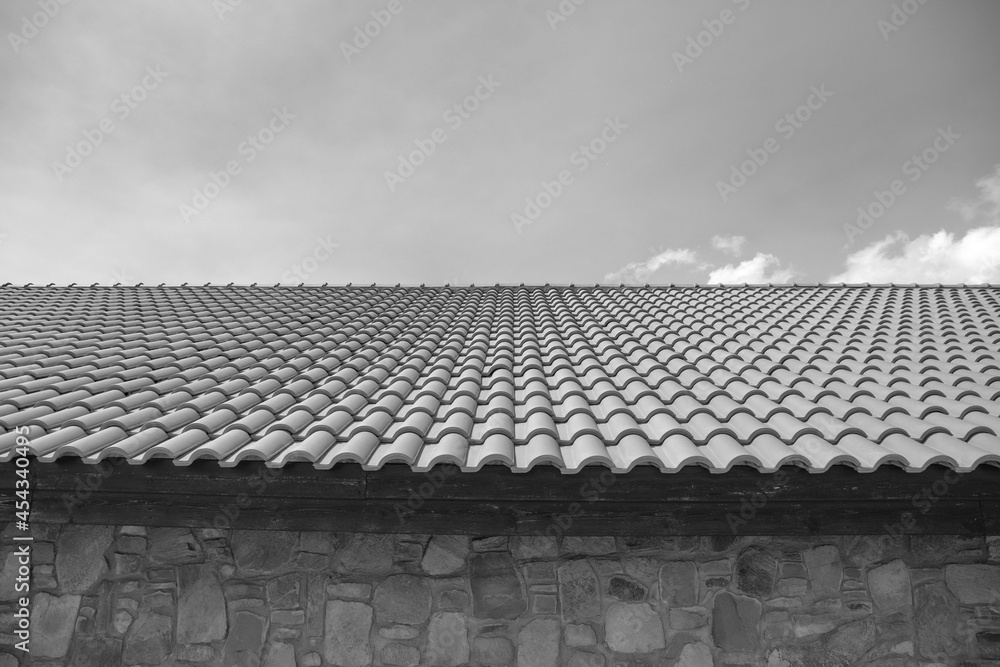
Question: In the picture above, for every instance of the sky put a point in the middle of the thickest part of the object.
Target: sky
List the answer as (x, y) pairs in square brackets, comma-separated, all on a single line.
[(544, 141)]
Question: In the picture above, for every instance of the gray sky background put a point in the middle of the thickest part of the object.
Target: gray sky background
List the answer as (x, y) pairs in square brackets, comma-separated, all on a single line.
[(331, 114)]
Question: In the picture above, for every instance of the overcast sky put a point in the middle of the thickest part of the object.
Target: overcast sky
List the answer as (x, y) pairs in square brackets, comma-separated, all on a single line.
[(493, 141)]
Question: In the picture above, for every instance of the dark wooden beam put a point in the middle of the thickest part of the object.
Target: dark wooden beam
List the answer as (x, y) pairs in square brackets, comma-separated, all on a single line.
[(497, 501), (519, 518)]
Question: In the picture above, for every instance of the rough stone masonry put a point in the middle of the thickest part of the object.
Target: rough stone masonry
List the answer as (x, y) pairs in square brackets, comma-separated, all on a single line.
[(133, 595)]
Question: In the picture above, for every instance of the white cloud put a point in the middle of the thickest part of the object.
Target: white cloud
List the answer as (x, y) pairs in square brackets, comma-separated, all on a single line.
[(939, 257), (729, 244), (639, 272), (988, 203), (929, 258), (753, 271)]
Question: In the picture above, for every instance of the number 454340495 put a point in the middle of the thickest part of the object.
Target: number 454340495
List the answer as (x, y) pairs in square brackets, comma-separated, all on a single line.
[(23, 483)]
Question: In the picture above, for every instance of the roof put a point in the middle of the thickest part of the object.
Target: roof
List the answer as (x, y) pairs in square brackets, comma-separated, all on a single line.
[(562, 376)]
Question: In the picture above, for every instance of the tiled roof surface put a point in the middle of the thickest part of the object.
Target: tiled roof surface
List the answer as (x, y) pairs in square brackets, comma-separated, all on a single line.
[(522, 376)]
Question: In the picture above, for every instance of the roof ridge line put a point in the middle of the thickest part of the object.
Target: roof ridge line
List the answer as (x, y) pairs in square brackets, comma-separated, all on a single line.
[(529, 286)]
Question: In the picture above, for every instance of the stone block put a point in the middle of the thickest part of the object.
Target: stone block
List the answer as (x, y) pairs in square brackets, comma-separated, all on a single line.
[(194, 652), (447, 640), (246, 639), (588, 546), (308, 561), (531, 547), (399, 632), (409, 551), (201, 607), (826, 571), (43, 552), (149, 640), (400, 654), (261, 550), (688, 619), (993, 548), (80, 561), (124, 565), (346, 640), (791, 587), (174, 546), (445, 554), (121, 622), (808, 626), (94, 652), (361, 552), (316, 542), (492, 651), (889, 587), (496, 589), (580, 634), (288, 617), (538, 644), (453, 600), (283, 592), (280, 655), (626, 589), (539, 572), (579, 591), (714, 568), (695, 655), (937, 622), (988, 644), (755, 572), (349, 591), (52, 622), (633, 628), (974, 584), (735, 621), (494, 543), (679, 583), (644, 569), (131, 544), (315, 603), (402, 598), (585, 659), (544, 604)]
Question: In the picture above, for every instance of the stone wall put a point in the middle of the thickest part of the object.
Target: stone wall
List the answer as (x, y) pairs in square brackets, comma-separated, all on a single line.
[(109, 595)]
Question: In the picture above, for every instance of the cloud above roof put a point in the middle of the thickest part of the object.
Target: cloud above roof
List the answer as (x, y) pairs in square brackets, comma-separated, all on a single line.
[(763, 268), (928, 258), (941, 257), (639, 272), (729, 244)]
